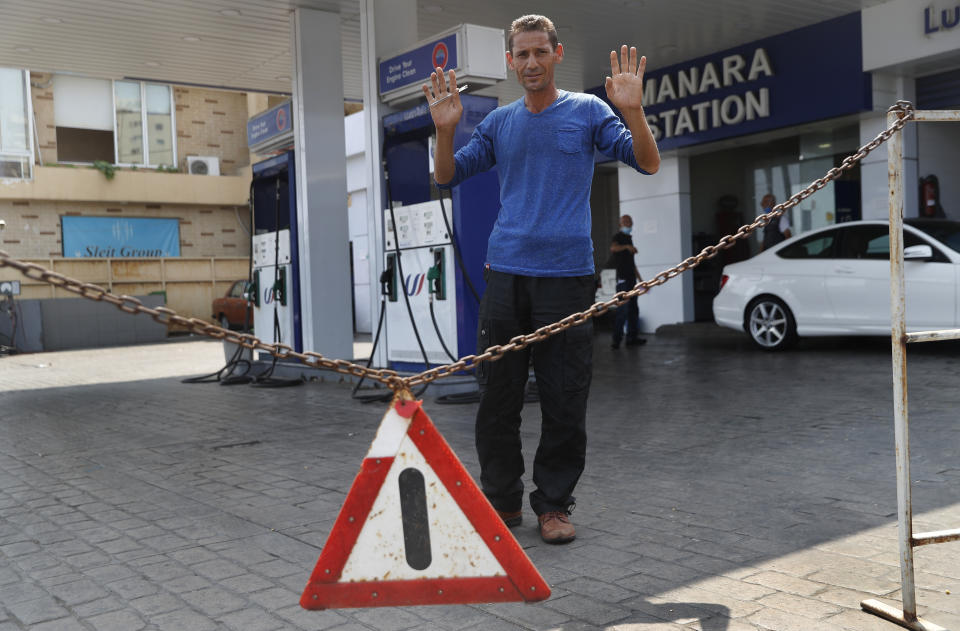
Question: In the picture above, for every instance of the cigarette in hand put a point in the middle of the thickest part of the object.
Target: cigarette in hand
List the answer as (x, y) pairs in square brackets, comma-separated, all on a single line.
[(444, 98)]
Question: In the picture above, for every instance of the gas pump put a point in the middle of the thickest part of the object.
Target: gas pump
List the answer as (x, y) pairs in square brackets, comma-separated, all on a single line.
[(418, 240), (274, 240), (276, 283)]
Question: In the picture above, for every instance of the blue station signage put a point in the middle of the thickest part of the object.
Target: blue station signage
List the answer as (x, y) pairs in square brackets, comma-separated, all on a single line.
[(415, 66), (942, 20), (805, 75), (269, 125)]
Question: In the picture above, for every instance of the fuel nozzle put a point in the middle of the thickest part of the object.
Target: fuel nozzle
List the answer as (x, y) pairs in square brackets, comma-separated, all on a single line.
[(435, 276), (388, 279)]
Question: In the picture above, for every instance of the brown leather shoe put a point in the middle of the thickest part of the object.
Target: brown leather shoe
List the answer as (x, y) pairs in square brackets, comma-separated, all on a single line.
[(555, 527), (511, 518)]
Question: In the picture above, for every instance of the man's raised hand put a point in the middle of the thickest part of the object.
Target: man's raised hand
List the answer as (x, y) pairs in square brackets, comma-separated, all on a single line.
[(625, 83), (444, 99)]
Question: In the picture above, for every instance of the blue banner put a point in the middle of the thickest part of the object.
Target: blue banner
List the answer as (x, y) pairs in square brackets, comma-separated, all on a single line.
[(120, 237), (416, 65), (273, 122), (805, 75)]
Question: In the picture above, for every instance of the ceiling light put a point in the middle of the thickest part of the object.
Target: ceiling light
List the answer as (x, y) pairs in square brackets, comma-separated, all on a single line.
[(191, 38), (152, 64), (824, 145), (230, 12), (52, 20)]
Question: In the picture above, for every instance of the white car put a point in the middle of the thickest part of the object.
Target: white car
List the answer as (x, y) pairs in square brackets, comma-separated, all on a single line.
[(836, 281)]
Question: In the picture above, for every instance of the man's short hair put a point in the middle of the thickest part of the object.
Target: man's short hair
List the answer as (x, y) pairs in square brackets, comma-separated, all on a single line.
[(526, 23)]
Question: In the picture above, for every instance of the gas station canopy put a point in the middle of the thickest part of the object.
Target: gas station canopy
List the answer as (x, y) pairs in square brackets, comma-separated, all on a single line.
[(245, 44)]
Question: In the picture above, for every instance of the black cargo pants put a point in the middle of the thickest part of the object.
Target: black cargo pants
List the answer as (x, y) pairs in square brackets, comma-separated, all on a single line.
[(513, 305)]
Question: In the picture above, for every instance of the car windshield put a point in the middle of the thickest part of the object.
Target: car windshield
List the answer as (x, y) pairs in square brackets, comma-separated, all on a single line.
[(946, 232)]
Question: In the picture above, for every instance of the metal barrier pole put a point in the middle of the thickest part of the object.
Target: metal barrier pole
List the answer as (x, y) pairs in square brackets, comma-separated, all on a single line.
[(906, 617), (901, 418)]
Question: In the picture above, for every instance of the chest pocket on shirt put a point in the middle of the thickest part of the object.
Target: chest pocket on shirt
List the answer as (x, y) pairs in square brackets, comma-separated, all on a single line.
[(570, 140)]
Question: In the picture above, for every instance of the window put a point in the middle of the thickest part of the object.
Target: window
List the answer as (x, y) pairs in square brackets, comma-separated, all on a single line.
[(873, 242), (817, 246), (238, 289), (82, 112), (946, 232), (123, 122), (144, 123), (129, 122), (16, 131)]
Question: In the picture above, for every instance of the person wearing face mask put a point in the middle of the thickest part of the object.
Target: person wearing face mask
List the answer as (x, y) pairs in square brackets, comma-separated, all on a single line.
[(777, 230), (621, 258), (539, 266)]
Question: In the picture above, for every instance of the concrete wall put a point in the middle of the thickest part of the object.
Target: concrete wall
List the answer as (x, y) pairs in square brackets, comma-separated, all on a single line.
[(212, 123), (189, 284), (874, 179), (660, 207), (33, 226), (80, 323), (54, 325)]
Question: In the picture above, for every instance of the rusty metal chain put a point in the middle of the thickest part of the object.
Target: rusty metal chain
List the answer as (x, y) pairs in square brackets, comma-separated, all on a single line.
[(169, 317), (903, 108), (391, 378)]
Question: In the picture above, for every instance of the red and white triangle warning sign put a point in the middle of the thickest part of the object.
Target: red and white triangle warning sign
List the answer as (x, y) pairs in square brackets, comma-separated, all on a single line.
[(416, 530)]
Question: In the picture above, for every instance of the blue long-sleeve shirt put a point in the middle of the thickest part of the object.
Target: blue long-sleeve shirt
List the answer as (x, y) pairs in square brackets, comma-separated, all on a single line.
[(545, 162)]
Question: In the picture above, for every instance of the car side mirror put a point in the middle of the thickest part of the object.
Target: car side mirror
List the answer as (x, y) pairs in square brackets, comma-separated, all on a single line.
[(918, 253)]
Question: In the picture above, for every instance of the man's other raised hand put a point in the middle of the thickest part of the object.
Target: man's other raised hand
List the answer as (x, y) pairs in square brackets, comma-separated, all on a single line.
[(625, 83)]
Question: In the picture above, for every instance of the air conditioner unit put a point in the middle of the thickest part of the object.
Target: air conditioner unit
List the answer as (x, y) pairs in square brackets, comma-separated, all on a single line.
[(203, 165), (12, 168)]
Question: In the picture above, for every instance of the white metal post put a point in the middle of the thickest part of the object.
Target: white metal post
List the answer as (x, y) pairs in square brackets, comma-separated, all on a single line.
[(907, 616), (898, 333)]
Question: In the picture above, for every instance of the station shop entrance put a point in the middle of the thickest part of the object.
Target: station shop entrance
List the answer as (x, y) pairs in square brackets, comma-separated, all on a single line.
[(728, 184)]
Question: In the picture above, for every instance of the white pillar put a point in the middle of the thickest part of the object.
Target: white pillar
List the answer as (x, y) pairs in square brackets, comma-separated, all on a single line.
[(874, 183), (321, 184), (660, 208), (398, 20)]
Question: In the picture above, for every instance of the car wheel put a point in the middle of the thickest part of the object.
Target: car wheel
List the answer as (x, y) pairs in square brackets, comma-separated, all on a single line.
[(770, 324), (224, 322)]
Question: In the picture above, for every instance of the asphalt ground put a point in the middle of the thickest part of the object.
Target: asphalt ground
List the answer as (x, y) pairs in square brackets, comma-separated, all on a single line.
[(725, 489)]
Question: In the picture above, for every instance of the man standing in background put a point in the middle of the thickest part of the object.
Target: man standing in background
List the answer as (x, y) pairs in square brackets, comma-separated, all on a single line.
[(621, 259), (778, 229)]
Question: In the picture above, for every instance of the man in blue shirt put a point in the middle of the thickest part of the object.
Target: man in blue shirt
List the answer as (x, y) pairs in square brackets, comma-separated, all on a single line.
[(540, 256)]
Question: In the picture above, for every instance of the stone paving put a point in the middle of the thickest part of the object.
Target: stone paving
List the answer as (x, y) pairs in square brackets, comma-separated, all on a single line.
[(726, 489)]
